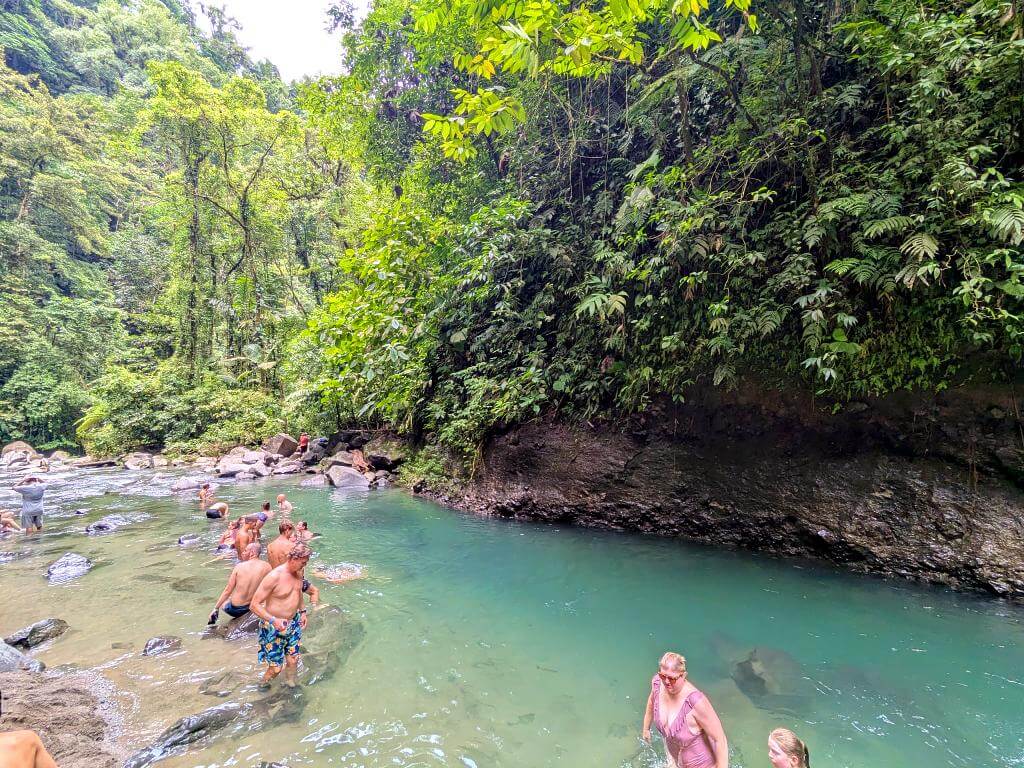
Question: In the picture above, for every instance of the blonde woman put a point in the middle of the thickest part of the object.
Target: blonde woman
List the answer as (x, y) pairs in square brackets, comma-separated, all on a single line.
[(693, 734), (785, 750)]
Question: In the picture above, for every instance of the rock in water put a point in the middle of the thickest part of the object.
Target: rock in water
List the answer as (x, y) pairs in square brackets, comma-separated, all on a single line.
[(109, 523), (11, 659), (244, 627), (346, 477), (316, 481), (229, 467), (766, 672), (138, 460), (188, 483), (187, 731), (161, 644), (281, 444), (322, 665), (67, 567), (40, 632), (188, 539), (18, 446)]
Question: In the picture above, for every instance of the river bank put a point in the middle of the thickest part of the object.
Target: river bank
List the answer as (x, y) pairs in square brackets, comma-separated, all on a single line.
[(928, 489)]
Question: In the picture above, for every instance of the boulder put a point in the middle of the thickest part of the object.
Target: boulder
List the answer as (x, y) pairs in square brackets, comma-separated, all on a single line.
[(160, 461), (188, 730), (316, 481), (191, 483), (89, 462), (244, 627), (18, 446), (385, 452), (261, 470), (62, 457), (138, 460), (35, 634), (346, 477), (161, 644), (228, 467), (281, 444), (237, 452), (342, 458), (288, 468), (67, 567), (245, 476), (316, 450), (11, 660), (253, 457)]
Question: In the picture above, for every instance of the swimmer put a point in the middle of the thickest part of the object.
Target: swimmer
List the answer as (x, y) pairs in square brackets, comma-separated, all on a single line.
[(278, 549), (339, 574), (217, 511), (265, 513), (24, 749), (302, 532), (785, 750), (284, 506), (205, 495), (242, 584), (227, 539)]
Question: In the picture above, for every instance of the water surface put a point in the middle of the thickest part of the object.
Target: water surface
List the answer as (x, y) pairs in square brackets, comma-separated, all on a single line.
[(503, 645)]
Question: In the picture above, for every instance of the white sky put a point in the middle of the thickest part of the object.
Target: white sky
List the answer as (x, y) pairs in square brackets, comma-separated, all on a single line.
[(291, 34)]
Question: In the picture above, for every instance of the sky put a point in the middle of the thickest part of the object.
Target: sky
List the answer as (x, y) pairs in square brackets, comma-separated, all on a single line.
[(291, 34)]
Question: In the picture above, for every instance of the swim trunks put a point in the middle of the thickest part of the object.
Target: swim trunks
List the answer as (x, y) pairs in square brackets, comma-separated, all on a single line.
[(234, 611), (305, 585), (214, 514), (274, 645), (262, 516)]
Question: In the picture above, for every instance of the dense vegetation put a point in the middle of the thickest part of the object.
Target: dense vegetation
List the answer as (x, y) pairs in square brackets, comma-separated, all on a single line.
[(501, 209)]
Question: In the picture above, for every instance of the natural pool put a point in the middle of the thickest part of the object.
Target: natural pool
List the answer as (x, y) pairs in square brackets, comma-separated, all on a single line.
[(503, 645)]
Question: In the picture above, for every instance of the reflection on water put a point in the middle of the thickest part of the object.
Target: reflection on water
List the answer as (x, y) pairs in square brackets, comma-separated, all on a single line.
[(484, 643)]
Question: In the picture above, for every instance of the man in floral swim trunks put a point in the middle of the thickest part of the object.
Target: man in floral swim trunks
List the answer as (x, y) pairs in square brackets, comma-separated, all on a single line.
[(278, 603)]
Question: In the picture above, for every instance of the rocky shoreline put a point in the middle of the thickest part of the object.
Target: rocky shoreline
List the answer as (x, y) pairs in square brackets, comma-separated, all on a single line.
[(928, 489)]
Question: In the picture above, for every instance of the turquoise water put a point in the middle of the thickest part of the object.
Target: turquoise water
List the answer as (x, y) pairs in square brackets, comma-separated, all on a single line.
[(495, 644)]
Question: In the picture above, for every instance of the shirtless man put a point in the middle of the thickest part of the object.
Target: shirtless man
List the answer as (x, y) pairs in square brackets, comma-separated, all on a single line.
[(217, 511), (242, 584), (278, 603), (205, 495), (284, 506), (23, 749), (246, 535), (278, 549), (302, 532)]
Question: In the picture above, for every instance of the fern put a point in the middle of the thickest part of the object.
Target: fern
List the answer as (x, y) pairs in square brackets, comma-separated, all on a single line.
[(889, 226), (920, 245)]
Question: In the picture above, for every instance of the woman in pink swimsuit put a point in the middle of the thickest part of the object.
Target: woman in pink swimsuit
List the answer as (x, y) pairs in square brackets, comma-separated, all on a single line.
[(693, 734)]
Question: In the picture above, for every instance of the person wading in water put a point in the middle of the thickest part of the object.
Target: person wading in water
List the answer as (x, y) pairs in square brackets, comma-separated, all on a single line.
[(785, 750), (693, 734), (242, 584), (278, 604), (278, 549)]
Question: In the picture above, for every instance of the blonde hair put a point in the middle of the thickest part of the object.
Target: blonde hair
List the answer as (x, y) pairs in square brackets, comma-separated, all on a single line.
[(674, 660), (792, 746)]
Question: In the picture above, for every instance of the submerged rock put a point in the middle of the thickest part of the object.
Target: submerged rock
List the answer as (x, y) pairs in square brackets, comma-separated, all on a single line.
[(11, 660), (188, 539), (35, 634), (161, 644), (243, 627), (67, 567), (316, 481), (766, 672), (188, 730), (109, 523)]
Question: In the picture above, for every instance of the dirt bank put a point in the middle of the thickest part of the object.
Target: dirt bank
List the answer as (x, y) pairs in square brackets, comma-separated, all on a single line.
[(65, 710), (923, 488)]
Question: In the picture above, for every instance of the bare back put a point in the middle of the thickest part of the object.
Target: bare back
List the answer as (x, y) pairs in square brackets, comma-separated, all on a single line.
[(248, 576), (277, 551)]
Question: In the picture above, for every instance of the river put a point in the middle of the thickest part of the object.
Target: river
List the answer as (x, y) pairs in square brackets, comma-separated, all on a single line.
[(490, 644)]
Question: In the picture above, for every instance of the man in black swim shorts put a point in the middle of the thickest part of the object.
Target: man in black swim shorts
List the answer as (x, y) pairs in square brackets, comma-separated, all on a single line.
[(242, 584)]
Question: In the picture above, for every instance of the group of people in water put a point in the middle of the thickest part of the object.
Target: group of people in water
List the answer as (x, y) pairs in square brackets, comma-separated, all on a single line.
[(690, 727), (273, 590)]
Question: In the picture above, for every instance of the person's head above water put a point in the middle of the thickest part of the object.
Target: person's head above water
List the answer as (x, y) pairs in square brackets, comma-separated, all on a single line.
[(234, 525), (251, 552), (206, 486), (303, 526), (285, 528), (672, 671), (280, 498), (266, 506), (785, 750)]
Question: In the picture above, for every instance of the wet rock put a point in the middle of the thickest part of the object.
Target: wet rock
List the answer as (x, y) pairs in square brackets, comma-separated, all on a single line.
[(245, 476), (35, 634), (288, 468), (138, 460), (231, 467), (160, 461), (190, 483), (188, 539), (187, 584), (346, 477), (224, 683), (60, 457), (89, 462), (766, 672), (281, 444), (385, 452), (188, 730), (322, 665), (316, 481), (109, 523), (68, 567), (261, 470), (341, 458), (242, 628), (161, 644), (11, 660)]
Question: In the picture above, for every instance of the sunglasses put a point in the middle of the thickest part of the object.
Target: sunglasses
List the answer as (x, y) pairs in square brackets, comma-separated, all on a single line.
[(669, 679)]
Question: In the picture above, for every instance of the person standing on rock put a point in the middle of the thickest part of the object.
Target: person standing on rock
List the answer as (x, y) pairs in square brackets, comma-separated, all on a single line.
[(278, 603), (303, 444), (242, 584), (693, 734), (278, 549), (31, 490)]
